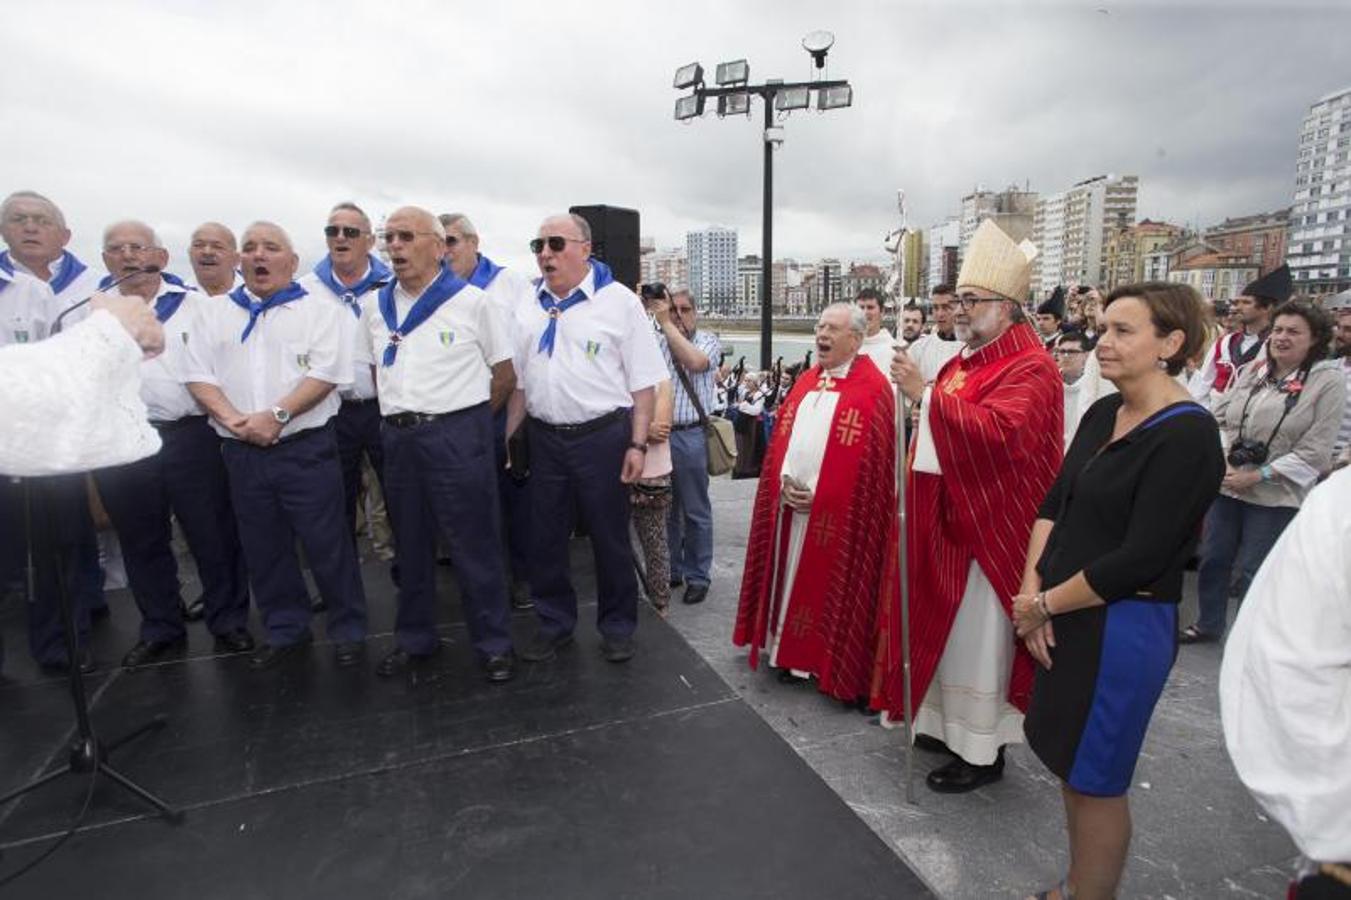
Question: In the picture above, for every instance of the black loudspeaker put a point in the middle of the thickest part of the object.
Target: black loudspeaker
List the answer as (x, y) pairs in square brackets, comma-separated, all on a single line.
[(614, 240)]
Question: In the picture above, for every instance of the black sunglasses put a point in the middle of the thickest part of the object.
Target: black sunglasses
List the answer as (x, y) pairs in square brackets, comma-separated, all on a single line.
[(556, 243), (346, 231)]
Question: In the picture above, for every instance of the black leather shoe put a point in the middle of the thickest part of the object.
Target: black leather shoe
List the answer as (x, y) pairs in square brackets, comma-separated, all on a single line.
[(616, 649), (149, 651), (348, 653), (695, 593), (1193, 635), (500, 668), (676, 582), (85, 659), (788, 676), (195, 611), (544, 647), (959, 776), (931, 744), (318, 604), (237, 641), (520, 596), (401, 661), (270, 656)]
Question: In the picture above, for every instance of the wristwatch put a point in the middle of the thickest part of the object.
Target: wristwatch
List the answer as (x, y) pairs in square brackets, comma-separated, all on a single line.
[(634, 445), (281, 415)]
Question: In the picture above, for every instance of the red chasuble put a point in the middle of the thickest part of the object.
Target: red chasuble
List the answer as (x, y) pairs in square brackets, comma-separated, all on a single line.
[(830, 630), (997, 419)]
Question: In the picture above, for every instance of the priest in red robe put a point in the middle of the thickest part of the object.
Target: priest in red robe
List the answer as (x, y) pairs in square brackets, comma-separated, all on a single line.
[(824, 517), (987, 448)]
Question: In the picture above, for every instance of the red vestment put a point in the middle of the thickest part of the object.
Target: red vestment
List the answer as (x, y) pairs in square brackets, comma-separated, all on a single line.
[(831, 627), (997, 419)]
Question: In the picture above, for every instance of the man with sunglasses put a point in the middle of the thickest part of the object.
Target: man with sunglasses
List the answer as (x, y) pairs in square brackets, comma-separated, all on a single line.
[(264, 363), (349, 277), (441, 359), (505, 288), (988, 446), (588, 363)]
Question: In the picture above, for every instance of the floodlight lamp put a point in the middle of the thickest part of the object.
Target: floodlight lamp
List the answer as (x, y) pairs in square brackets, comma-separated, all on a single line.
[(689, 107), (688, 76), (818, 44), (793, 98), (734, 104), (835, 97), (735, 72)]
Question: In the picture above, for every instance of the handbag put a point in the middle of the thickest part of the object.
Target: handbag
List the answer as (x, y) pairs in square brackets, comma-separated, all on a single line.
[(718, 433)]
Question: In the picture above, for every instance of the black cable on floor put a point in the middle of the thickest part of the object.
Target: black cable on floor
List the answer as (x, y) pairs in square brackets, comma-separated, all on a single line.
[(74, 827)]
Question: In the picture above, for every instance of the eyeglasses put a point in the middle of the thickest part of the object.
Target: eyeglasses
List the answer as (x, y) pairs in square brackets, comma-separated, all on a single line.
[(1067, 351), (556, 243), (346, 231), (966, 301), (37, 219), (405, 237), (129, 247), (451, 240)]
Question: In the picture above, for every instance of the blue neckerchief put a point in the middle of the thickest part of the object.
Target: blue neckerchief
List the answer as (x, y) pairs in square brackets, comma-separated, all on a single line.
[(375, 278), (67, 270), (601, 277), (166, 304), (484, 273), (291, 292), (446, 285)]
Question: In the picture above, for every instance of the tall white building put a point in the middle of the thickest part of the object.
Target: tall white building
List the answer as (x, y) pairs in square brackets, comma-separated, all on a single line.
[(748, 285), (944, 240), (1319, 251), (670, 267), (1012, 210), (713, 268), (1070, 230)]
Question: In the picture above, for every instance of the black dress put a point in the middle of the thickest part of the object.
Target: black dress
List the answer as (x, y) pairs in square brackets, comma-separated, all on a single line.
[(1128, 514)]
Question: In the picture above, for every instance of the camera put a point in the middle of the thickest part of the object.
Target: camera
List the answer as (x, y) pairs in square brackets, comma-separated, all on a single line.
[(1245, 452), (654, 291)]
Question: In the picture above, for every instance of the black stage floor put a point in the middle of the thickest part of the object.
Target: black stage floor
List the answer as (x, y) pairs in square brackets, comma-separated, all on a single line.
[(579, 778)]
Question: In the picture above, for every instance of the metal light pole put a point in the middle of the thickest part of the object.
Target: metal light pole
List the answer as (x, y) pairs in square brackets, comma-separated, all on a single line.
[(733, 95)]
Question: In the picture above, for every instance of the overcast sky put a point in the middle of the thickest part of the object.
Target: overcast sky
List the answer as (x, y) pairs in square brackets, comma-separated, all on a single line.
[(179, 112)]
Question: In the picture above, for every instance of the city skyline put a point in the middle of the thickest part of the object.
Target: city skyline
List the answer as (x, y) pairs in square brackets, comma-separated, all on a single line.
[(279, 111)]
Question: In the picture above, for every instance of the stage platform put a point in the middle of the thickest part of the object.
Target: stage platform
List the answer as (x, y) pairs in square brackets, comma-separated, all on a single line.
[(579, 779)]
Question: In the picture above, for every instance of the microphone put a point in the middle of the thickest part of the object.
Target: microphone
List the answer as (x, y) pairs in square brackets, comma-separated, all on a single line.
[(143, 270)]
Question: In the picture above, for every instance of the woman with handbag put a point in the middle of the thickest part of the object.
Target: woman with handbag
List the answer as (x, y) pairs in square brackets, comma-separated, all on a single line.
[(1278, 425)]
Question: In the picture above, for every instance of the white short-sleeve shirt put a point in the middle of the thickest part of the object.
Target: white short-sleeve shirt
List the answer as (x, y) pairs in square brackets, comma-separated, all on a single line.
[(363, 385), (305, 338), (27, 308), (604, 350), (163, 390), (445, 363), (72, 291)]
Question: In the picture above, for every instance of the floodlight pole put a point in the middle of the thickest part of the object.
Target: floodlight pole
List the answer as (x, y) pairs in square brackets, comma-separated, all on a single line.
[(768, 93)]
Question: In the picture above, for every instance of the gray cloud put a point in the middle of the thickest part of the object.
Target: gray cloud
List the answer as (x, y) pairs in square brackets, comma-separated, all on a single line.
[(178, 114)]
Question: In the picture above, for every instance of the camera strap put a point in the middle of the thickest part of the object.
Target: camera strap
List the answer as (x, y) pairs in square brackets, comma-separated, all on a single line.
[(1291, 399)]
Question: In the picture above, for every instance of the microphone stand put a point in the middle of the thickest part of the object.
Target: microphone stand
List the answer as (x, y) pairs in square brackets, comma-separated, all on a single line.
[(87, 754)]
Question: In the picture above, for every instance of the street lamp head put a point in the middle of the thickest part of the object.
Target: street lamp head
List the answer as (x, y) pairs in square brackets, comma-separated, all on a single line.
[(690, 106), (834, 97), (793, 98), (688, 76), (818, 44), (734, 104), (735, 72)]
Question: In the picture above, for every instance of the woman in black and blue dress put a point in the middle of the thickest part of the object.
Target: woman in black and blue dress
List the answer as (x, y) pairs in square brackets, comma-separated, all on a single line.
[(1099, 599)]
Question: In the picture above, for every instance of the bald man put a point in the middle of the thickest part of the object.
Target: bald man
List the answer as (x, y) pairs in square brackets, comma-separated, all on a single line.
[(214, 255), (264, 365), (441, 359)]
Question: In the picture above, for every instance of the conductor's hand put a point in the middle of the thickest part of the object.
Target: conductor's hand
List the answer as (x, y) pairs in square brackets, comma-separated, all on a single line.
[(137, 317), (906, 375)]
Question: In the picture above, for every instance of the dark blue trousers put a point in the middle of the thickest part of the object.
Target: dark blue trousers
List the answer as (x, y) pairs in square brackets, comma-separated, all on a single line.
[(186, 478), (442, 474), (357, 427), (66, 499), (514, 499), (287, 491), (581, 471), (1235, 540)]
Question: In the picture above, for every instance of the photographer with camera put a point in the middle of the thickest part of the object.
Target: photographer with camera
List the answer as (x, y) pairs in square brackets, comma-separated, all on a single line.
[(1278, 425)]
